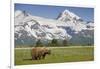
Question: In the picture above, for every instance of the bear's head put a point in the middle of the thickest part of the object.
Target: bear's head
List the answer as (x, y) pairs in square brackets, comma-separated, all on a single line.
[(47, 51)]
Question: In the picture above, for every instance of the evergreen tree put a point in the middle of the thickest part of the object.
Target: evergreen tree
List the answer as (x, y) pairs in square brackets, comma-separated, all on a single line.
[(65, 43), (54, 42), (39, 43)]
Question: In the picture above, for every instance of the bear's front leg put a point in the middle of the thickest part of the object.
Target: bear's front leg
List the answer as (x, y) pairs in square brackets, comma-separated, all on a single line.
[(39, 57), (43, 56), (36, 58)]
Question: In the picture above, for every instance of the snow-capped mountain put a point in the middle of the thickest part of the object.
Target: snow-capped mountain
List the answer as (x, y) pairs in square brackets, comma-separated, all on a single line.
[(80, 30), (29, 28), (66, 15), (32, 28), (75, 22)]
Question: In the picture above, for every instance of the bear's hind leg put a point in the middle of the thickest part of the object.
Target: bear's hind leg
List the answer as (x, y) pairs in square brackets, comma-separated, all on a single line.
[(33, 58)]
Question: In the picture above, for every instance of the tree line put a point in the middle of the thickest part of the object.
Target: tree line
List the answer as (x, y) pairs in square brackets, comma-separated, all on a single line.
[(53, 42)]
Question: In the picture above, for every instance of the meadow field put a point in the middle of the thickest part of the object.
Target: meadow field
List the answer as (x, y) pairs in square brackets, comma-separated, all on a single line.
[(58, 55)]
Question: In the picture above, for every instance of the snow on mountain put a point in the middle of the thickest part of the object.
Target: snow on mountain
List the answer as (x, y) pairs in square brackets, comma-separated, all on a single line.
[(37, 27), (79, 29), (67, 15), (90, 26), (67, 26), (72, 20), (19, 16)]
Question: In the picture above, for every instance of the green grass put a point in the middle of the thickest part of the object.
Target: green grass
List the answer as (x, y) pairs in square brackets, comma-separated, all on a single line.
[(59, 55)]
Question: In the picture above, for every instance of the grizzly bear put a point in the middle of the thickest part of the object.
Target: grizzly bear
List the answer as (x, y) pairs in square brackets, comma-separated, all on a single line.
[(39, 53)]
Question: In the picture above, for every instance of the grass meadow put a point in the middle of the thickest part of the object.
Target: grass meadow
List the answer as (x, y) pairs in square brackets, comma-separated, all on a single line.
[(58, 55)]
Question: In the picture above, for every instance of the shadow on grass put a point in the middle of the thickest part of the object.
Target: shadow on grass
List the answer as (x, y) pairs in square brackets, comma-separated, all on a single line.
[(31, 59), (28, 59)]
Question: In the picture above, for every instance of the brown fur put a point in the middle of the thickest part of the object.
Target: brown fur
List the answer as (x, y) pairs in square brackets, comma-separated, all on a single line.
[(39, 52)]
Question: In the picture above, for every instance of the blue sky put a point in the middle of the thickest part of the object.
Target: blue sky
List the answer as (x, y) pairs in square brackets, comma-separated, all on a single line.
[(52, 12)]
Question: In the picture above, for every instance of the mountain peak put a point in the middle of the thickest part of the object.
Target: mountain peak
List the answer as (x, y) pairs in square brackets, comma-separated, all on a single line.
[(19, 12), (67, 15), (67, 12)]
